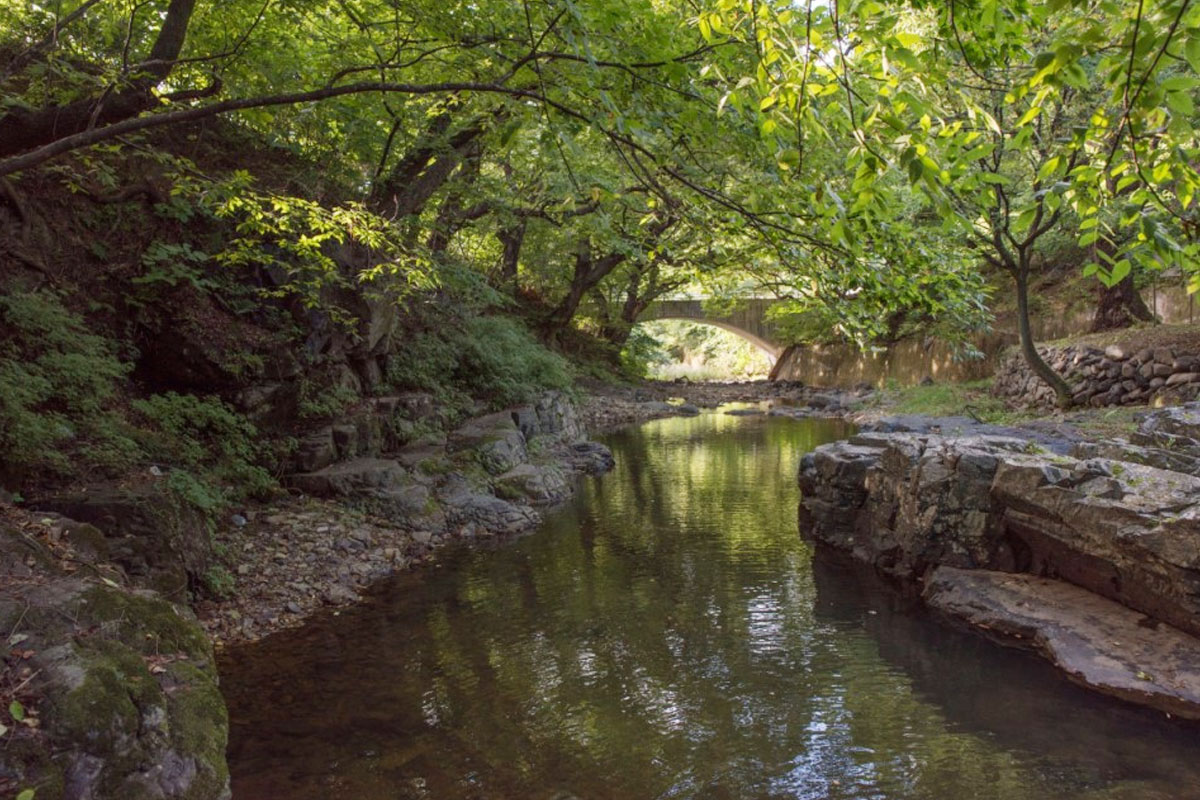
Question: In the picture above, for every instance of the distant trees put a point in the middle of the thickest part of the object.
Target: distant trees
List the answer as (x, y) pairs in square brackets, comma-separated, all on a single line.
[(1004, 121)]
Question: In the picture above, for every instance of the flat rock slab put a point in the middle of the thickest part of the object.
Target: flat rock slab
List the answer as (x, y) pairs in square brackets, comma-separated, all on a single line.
[(1096, 642)]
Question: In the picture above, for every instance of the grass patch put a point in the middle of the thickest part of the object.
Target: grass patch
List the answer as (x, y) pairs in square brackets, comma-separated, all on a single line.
[(973, 399), (1108, 423)]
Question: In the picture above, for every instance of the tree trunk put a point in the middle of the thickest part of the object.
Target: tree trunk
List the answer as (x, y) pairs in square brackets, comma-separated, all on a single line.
[(588, 272), (1028, 349), (22, 130), (425, 168), (1119, 306), (511, 238)]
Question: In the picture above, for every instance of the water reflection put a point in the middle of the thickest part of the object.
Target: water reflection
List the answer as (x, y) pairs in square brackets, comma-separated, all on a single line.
[(668, 635)]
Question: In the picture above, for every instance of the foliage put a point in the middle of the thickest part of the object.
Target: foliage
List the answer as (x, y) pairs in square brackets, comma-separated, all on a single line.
[(219, 582), (204, 436), (57, 384), (489, 357), (321, 397), (858, 159)]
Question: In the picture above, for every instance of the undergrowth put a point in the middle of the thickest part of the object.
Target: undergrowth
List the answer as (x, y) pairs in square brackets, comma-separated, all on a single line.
[(57, 384), (493, 358), (64, 415)]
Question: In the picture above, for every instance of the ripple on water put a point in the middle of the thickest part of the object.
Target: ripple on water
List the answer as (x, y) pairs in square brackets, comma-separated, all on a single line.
[(669, 635)]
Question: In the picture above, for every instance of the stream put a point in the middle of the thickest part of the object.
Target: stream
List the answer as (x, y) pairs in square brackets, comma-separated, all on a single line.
[(668, 634)]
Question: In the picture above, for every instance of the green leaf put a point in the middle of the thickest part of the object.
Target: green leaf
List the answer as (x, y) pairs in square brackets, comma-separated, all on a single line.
[(1029, 115), (1048, 168), (1178, 83), (1191, 51), (26, 794), (17, 711)]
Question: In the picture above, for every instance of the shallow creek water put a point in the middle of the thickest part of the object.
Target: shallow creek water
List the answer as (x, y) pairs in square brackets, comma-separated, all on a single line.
[(668, 634)]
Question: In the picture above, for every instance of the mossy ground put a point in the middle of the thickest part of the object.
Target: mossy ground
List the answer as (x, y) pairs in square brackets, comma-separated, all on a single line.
[(975, 400), (972, 399)]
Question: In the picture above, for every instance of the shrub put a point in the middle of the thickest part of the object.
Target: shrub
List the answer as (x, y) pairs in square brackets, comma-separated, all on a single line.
[(321, 397), (492, 358), (57, 381), (500, 361), (207, 437)]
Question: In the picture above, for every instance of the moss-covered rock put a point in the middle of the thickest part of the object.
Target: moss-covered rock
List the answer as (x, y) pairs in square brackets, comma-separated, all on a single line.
[(159, 541), (124, 688)]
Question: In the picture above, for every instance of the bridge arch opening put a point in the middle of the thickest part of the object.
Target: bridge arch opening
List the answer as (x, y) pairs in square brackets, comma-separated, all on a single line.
[(675, 347)]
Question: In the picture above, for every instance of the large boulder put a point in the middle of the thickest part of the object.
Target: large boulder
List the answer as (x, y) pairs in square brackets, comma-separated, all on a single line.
[(123, 686), (541, 485), (466, 506), (495, 440), (379, 485), (552, 415), (159, 541)]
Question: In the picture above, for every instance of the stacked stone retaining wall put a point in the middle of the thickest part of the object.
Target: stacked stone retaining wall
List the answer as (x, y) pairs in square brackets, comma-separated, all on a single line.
[(1110, 377)]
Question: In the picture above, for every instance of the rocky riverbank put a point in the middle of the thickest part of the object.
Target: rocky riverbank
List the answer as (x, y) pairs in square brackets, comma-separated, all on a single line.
[(111, 671), (349, 523), (1035, 536)]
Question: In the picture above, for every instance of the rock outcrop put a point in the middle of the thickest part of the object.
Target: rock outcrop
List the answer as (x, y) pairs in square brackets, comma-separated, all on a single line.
[(117, 687), (484, 476), (157, 540), (1097, 643), (1001, 501)]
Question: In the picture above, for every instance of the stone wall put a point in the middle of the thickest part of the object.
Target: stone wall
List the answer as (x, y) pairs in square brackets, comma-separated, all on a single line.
[(1110, 377)]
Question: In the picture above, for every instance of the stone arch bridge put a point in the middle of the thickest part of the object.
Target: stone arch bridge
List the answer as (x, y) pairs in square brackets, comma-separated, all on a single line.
[(749, 321)]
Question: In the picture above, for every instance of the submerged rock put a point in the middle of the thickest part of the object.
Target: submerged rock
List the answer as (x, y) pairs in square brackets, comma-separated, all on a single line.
[(1097, 643), (745, 412)]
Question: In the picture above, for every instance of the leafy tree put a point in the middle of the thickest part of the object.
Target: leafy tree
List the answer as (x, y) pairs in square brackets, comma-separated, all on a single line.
[(1006, 121)]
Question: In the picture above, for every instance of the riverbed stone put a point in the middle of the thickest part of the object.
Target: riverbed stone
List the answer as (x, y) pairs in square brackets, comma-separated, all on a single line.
[(1095, 642)]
